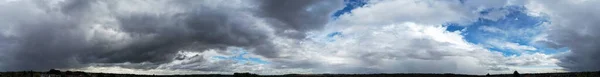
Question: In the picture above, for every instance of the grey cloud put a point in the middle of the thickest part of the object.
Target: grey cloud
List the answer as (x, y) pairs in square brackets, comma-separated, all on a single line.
[(280, 64), (75, 7), (486, 4), (39, 44), (199, 63), (498, 68), (299, 15), (61, 38), (574, 25), (526, 63)]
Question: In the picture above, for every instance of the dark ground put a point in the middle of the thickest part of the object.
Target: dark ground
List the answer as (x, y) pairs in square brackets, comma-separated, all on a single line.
[(57, 73)]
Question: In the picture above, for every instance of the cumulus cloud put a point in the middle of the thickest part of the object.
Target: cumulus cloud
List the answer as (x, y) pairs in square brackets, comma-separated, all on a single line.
[(574, 25), (401, 47), (532, 63), (375, 39), (535, 59)]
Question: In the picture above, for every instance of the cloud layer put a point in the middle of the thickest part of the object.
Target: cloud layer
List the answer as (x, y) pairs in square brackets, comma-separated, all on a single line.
[(287, 36), (73, 33), (575, 27)]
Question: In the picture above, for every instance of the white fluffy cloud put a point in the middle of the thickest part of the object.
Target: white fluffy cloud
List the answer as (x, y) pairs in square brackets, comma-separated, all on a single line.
[(387, 37), (399, 47)]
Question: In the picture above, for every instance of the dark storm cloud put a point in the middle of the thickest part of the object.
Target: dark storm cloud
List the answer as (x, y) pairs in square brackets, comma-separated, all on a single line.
[(299, 15), (62, 39), (574, 25), (43, 45), (292, 18), (583, 43)]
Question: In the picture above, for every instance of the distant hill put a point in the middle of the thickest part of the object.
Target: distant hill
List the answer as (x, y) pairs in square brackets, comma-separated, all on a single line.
[(57, 73)]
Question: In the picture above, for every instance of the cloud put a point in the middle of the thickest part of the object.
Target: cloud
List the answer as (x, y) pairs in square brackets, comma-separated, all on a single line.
[(491, 29), (533, 63), (299, 15), (515, 47), (189, 36), (574, 25), (401, 47), (421, 12), (375, 39), (534, 59), (143, 34)]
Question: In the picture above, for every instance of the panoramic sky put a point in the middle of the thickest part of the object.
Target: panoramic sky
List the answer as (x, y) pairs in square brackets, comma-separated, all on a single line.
[(300, 36)]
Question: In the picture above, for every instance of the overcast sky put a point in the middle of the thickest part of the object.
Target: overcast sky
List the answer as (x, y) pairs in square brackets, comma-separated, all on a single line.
[(300, 36)]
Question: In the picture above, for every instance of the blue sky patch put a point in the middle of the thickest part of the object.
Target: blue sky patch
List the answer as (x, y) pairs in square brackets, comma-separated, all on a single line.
[(515, 27), (350, 4), (241, 58), (453, 27), (333, 34)]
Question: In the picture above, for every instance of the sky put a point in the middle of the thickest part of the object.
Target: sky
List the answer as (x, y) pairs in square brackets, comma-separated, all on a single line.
[(300, 36)]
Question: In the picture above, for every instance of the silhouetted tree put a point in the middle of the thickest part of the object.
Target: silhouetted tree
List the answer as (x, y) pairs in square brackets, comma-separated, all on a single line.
[(53, 71), (69, 73), (244, 75), (516, 74), (488, 74)]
